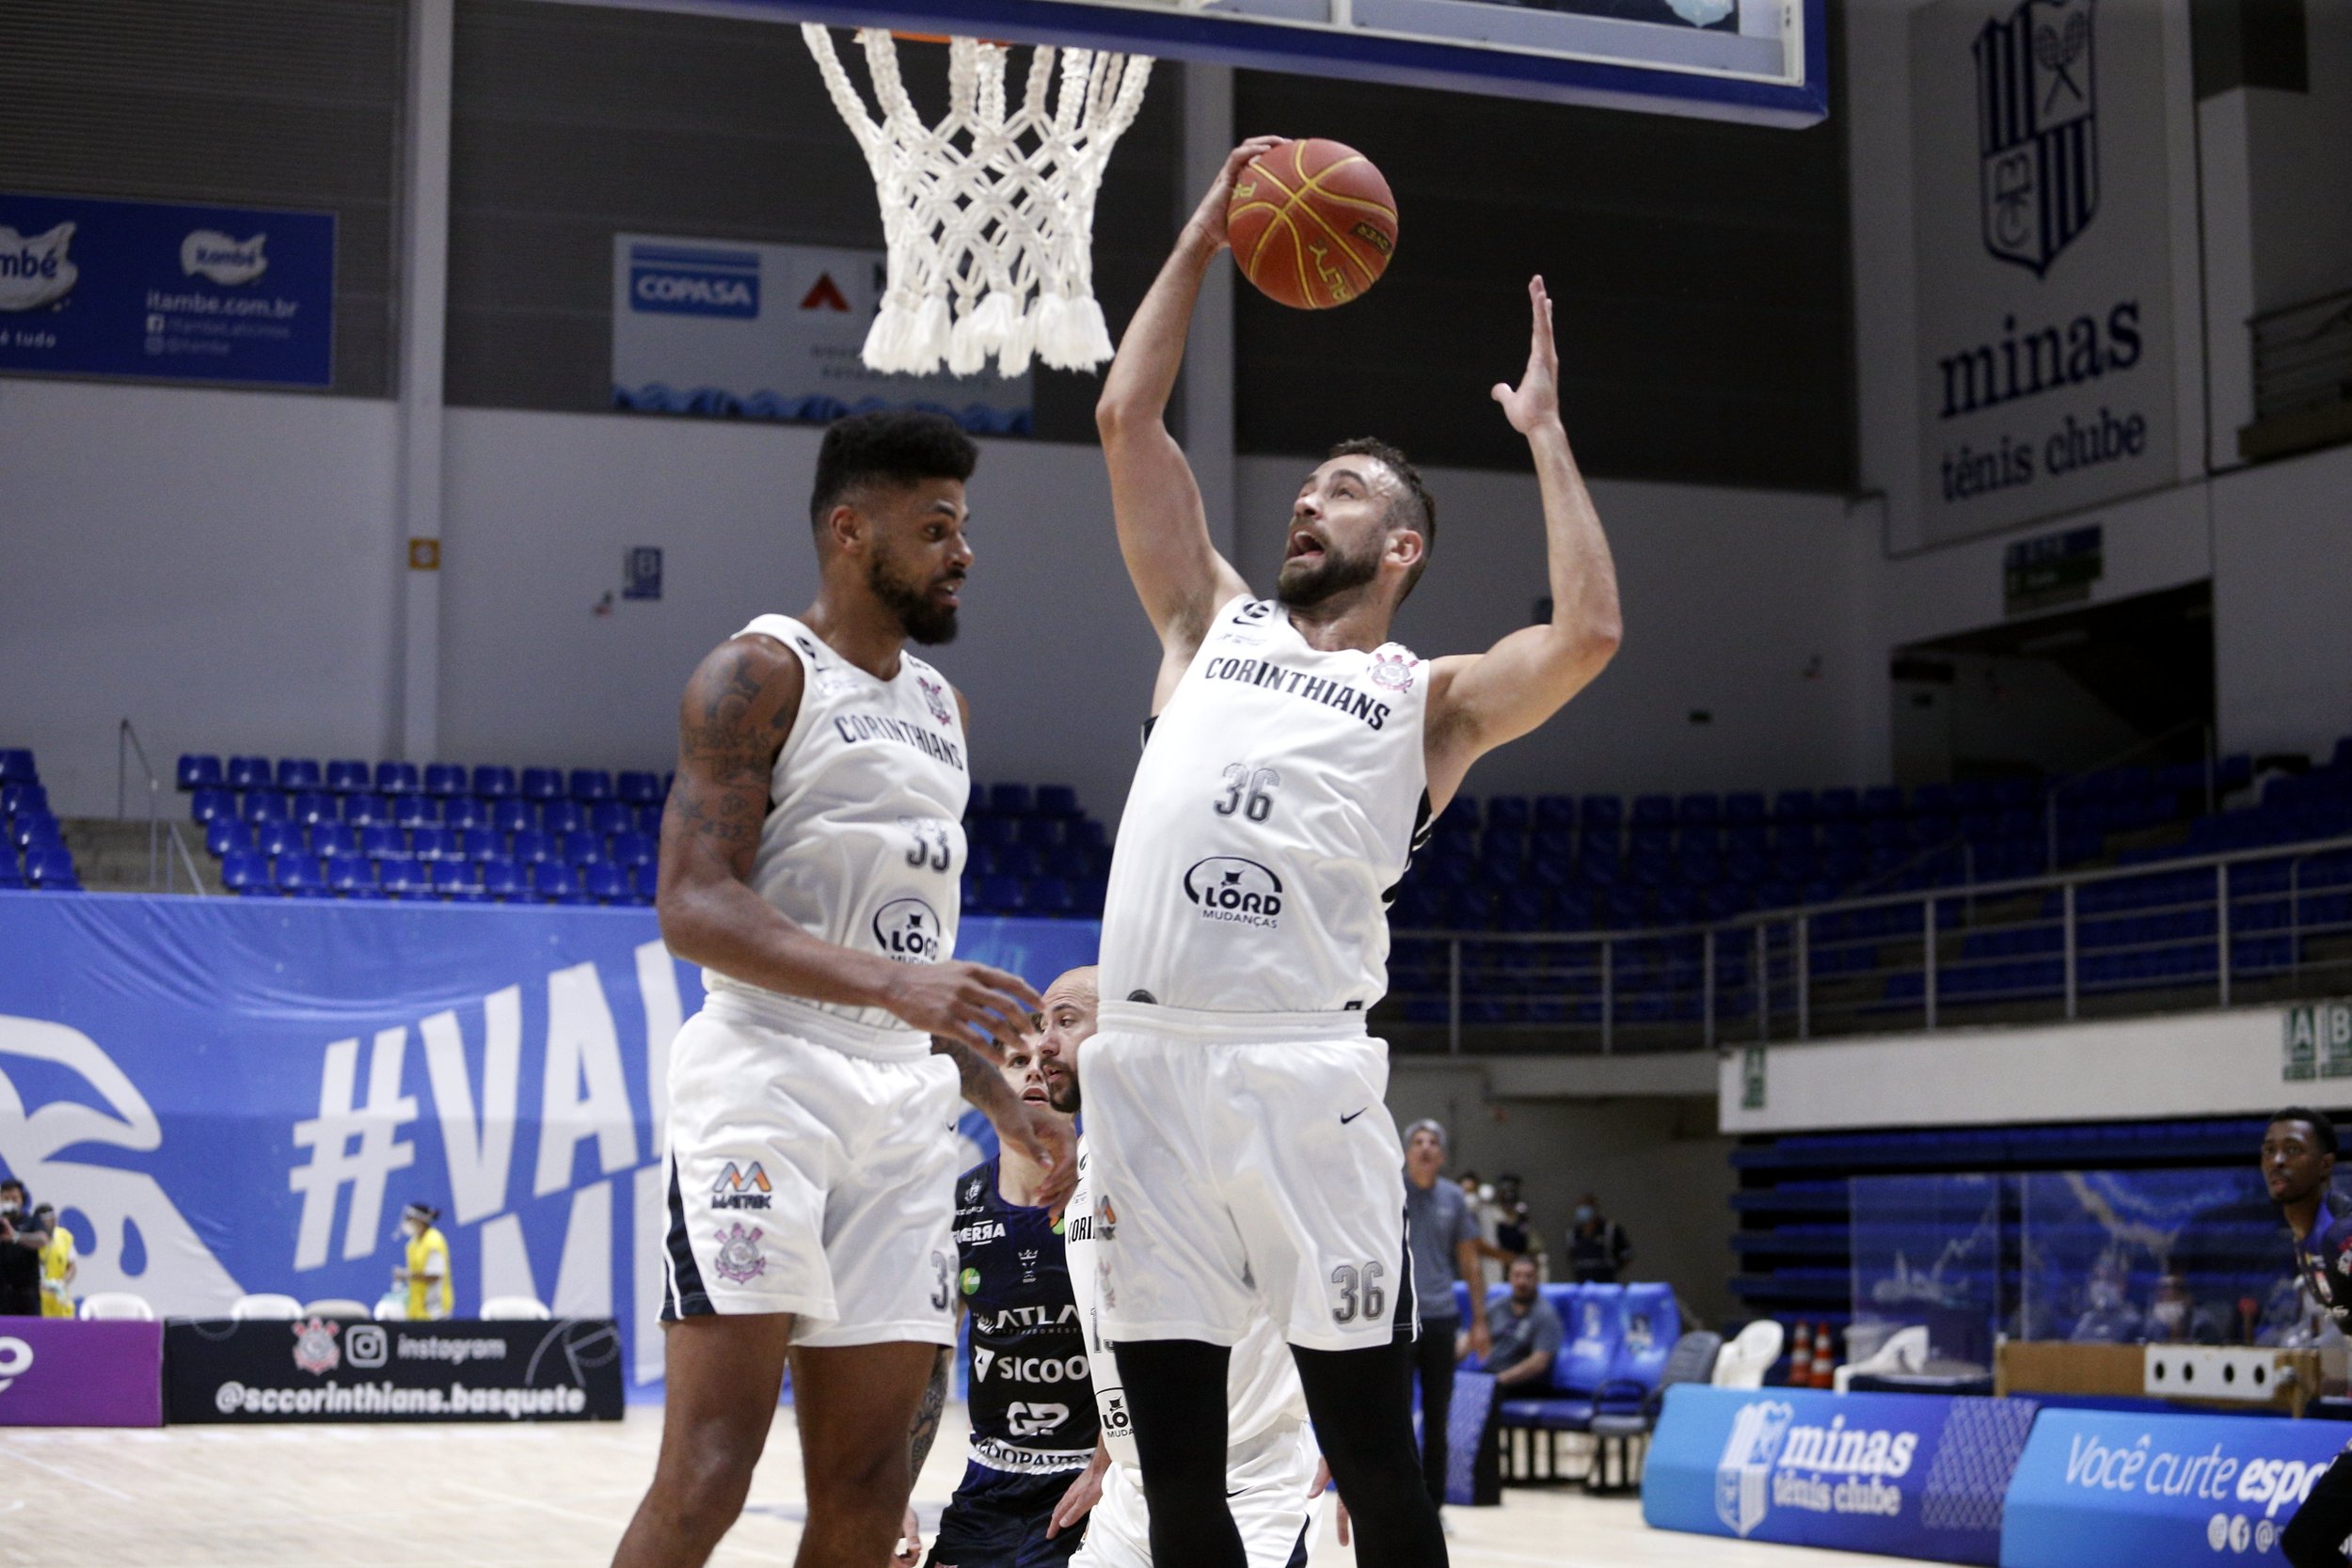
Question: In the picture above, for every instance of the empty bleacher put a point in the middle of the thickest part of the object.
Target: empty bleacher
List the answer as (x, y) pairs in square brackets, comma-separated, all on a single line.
[(33, 853)]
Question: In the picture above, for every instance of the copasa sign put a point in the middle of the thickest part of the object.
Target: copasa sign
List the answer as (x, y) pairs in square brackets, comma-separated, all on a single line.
[(1905, 1475)]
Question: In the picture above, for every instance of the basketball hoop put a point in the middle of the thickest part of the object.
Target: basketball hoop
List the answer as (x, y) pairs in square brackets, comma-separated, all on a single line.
[(989, 215)]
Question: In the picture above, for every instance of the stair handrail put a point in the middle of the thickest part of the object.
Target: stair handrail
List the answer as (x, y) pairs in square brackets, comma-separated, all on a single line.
[(164, 839)]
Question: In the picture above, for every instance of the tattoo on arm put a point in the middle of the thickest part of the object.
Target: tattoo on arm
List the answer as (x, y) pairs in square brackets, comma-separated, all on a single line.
[(928, 1414), (736, 716)]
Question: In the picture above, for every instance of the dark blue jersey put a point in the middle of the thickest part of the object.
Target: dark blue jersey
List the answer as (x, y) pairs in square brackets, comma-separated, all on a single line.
[(2325, 1258), (1032, 1403)]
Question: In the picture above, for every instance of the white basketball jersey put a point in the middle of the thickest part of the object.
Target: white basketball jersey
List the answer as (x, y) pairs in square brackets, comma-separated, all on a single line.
[(1261, 1388), (864, 841), (1272, 815)]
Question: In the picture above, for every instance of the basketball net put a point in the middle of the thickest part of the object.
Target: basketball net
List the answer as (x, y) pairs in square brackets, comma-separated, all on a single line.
[(989, 215)]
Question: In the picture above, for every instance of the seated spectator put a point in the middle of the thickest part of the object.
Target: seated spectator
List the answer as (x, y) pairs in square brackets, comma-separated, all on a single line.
[(1599, 1249), (1527, 1332), (58, 1267), (2170, 1314), (2108, 1317)]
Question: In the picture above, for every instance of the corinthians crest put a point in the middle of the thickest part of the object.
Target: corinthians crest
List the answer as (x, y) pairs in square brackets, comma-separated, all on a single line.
[(2037, 130), (314, 1348), (740, 1259)]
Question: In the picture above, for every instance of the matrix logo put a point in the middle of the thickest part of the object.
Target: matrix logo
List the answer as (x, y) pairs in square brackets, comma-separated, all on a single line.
[(679, 280), (2037, 130)]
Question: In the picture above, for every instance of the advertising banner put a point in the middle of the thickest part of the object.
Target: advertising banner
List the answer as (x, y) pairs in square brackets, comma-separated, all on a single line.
[(2159, 1491), (1907, 1475), (2044, 253), (456, 1370), (224, 1096), (63, 1372), (146, 288), (772, 332)]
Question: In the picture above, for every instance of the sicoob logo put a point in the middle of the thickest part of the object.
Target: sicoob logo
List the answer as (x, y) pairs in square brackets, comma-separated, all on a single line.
[(1227, 887), (908, 930)]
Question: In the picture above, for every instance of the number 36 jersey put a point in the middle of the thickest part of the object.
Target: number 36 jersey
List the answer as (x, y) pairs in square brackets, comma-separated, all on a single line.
[(1277, 804), (864, 841)]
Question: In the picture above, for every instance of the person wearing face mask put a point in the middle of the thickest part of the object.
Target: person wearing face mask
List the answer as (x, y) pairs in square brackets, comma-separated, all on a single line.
[(425, 1271), (1599, 1249), (2168, 1314), (2108, 1315), (21, 1238), (58, 1267)]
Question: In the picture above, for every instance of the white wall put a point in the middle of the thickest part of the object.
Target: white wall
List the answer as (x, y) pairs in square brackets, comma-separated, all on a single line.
[(1736, 603), (219, 567), (2282, 639)]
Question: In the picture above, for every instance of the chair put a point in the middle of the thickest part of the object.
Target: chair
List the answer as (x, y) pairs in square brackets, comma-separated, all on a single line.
[(1616, 1432), (502, 879), (402, 877), (248, 772), (261, 806), (1905, 1351), (643, 881), (244, 871), (434, 843), (531, 847), (515, 816), (580, 849), (266, 1304), (382, 841), (225, 836), (482, 843), (638, 789), (563, 816), (455, 879), (416, 811), (314, 806), (504, 1309), (1749, 1356), (552, 883), (444, 779), (300, 876), (16, 765), (116, 1307), (606, 817), (367, 809), (352, 876), (299, 774), (605, 882), (52, 867), (336, 1306), (396, 778), (591, 785), (207, 806), (391, 1308), (542, 784), (492, 783), (462, 812), (197, 770), (278, 838), (631, 849), (346, 776)]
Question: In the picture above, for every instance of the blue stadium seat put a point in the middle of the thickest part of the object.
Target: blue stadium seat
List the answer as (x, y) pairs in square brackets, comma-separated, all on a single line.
[(1600, 811), (531, 847), (225, 836), (261, 806), (1555, 812), (296, 773), (463, 811), (482, 843), (244, 872), (346, 776), (20, 798), (610, 816), (16, 766), (454, 881), (542, 784), (11, 874), (649, 821), (366, 809), (444, 779), (403, 878), (1510, 812), (382, 841), (416, 811), (604, 882), (638, 789), (1056, 800), (352, 876), (553, 883), (434, 844), (313, 806), (515, 816), (248, 772), (631, 848), (279, 838), (52, 867), (334, 841), (580, 848), (1001, 894), (1051, 896), (563, 816), (396, 778), (210, 805), (503, 881), (1651, 1321), (589, 785), (1009, 800), (300, 876), (494, 783), (642, 880), (199, 770)]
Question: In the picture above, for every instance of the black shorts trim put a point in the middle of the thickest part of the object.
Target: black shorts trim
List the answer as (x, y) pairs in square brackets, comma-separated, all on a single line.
[(682, 1293)]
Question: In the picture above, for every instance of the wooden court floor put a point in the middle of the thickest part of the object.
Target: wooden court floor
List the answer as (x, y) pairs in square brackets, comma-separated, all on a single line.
[(536, 1497)]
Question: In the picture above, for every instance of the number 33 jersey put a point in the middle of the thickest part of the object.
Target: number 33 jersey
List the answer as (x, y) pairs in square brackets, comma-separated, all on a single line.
[(1277, 804)]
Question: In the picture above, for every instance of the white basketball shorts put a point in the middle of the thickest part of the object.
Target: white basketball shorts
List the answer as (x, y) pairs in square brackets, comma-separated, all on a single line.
[(1244, 1165), (808, 1180), (1265, 1487)]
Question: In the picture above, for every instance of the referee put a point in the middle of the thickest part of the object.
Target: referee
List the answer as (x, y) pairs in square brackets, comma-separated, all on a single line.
[(2298, 1160)]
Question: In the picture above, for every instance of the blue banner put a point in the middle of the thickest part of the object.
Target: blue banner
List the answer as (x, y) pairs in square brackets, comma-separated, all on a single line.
[(2159, 1491), (90, 287), (1906, 1475), (230, 1096)]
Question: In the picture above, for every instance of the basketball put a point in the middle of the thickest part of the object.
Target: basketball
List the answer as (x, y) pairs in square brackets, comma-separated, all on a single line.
[(1313, 224)]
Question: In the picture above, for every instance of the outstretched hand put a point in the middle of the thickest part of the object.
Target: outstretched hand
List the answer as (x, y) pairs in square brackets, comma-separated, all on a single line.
[(1535, 401), (1208, 219)]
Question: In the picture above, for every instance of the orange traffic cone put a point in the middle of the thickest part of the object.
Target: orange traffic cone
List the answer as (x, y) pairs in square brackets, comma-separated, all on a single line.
[(1800, 1358), (1825, 1360)]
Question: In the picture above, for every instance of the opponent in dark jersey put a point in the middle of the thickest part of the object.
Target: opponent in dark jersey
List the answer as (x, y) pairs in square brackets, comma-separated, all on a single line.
[(1032, 1403), (2298, 1163)]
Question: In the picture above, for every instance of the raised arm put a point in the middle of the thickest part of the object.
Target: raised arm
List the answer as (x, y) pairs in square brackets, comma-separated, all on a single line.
[(1163, 528), (738, 709), (1478, 702)]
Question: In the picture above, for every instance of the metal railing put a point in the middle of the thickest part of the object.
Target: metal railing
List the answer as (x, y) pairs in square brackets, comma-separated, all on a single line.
[(168, 852), (2200, 932)]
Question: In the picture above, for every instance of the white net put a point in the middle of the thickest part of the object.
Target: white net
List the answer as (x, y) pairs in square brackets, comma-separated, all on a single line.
[(988, 213)]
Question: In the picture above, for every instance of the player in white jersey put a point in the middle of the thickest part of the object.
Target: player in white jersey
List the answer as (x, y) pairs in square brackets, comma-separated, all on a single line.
[(1270, 1459), (1235, 1100), (810, 853)]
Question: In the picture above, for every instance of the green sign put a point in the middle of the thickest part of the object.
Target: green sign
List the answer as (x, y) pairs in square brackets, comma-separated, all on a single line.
[(2055, 569), (2316, 1041), (1752, 1079)]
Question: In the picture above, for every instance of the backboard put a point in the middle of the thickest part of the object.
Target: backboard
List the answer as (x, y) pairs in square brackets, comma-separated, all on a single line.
[(1759, 61)]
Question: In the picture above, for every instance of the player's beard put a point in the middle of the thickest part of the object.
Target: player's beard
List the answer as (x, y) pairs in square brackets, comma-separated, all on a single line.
[(1063, 1095), (923, 619), (1304, 587)]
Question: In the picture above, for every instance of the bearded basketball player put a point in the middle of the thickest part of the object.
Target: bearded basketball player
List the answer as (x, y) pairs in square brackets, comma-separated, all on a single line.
[(1235, 1102), (810, 853)]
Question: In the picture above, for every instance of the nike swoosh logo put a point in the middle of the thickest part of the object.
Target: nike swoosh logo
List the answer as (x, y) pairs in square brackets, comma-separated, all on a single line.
[(1237, 1492), (1353, 1115)]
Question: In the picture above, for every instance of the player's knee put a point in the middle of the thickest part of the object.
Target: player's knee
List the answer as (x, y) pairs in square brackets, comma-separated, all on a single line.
[(844, 1477), (707, 1479), (2307, 1543)]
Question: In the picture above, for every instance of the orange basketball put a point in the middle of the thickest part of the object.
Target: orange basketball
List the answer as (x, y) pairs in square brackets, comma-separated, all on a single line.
[(1313, 224)]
